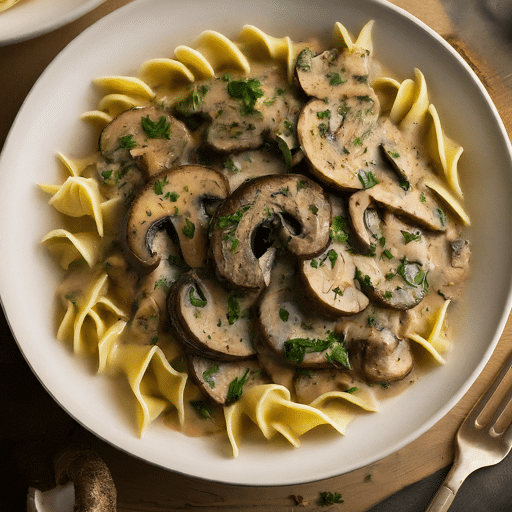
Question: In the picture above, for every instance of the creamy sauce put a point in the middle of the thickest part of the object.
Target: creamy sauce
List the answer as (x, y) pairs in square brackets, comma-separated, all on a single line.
[(238, 126)]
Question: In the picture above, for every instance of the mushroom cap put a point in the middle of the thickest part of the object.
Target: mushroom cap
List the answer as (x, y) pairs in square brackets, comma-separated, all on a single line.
[(375, 345), (330, 282), (177, 196), (148, 135), (293, 331), (291, 209), (215, 378), (333, 74), (210, 320), (339, 138)]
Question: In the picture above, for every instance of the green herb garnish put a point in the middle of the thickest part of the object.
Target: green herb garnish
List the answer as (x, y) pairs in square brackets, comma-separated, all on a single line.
[(160, 129)]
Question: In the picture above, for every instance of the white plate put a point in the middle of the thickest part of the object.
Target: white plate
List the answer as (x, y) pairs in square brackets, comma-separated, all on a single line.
[(48, 122), (32, 18)]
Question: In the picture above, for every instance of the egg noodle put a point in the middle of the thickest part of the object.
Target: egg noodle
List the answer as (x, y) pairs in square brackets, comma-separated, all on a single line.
[(5, 4), (119, 316)]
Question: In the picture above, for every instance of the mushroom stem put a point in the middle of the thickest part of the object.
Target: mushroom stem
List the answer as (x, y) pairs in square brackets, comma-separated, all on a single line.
[(95, 490)]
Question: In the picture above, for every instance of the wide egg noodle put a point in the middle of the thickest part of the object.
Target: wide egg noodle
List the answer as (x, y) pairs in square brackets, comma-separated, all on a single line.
[(5, 4), (128, 85), (221, 52), (262, 45), (75, 166), (342, 407), (163, 71), (154, 382), (77, 197), (270, 407), (435, 341), (88, 316), (67, 247), (115, 104), (444, 151), (343, 39)]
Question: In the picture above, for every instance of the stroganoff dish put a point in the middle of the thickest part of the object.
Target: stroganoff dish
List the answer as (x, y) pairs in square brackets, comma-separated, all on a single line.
[(270, 233)]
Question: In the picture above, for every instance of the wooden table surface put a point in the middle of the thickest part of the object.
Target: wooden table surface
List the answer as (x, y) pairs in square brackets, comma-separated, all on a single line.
[(33, 426)]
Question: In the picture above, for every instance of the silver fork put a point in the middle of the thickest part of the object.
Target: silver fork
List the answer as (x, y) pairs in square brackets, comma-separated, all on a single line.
[(477, 444)]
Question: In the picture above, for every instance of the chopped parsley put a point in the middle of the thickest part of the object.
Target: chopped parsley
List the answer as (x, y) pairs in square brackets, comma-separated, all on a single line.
[(367, 179), (337, 230), (304, 60), (207, 374), (127, 142), (198, 302), (247, 91), (295, 349), (329, 498), (189, 228), (410, 237), (158, 186), (236, 388), (284, 314), (233, 307), (160, 129), (202, 409)]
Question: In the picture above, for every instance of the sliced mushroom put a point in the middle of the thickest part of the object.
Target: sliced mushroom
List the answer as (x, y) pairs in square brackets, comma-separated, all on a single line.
[(330, 282), (333, 74), (384, 357), (178, 197), (396, 273), (247, 165), (418, 204), (153, 138), (210, 320), (461, 253), (339, 139), (289, 209), (291, 329), (375, 346), (365, 220), (242, 113), (224, 382), (451, 261)]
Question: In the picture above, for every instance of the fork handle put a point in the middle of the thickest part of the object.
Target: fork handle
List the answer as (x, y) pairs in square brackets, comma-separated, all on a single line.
[(442, 500)]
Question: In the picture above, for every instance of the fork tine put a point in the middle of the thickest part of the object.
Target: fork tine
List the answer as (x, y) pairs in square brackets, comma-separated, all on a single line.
[(484, 399), (502, 406)]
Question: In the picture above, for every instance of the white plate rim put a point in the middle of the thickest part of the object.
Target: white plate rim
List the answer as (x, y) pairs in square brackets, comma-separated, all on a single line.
[(28, 31)]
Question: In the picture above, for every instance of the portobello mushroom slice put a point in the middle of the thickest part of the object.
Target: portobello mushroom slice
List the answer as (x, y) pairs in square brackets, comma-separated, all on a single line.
[(241, 113), (395, 275), (151, 137), (210, 320), (224, 382), (333, 74), (376, 349), (177, 197), (292, 330), (365, 220), (247, 165), (340, 140), (418, 204), (246, 228), (330, 282)]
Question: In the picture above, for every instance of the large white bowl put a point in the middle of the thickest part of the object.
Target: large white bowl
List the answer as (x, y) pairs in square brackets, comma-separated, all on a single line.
[(118, 44), (32, 18)]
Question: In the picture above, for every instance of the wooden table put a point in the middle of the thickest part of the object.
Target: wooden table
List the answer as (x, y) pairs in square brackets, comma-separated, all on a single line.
[(33, 426)]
